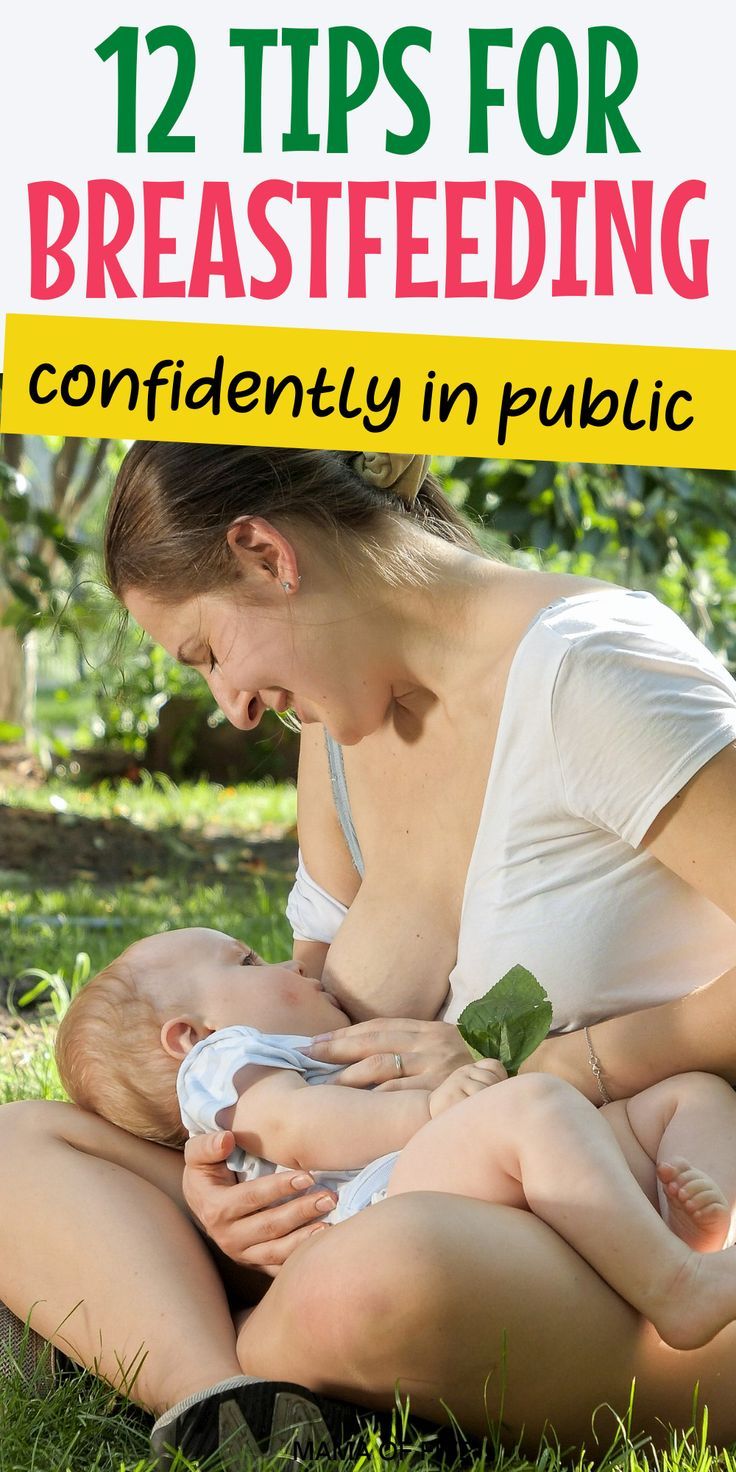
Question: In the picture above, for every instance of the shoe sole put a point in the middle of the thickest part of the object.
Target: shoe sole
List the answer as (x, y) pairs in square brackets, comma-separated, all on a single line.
[(241, 1424)]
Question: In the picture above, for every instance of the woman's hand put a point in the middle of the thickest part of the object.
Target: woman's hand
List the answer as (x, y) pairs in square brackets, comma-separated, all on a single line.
[(471, 1079), (394, 1053), (241, 1218)]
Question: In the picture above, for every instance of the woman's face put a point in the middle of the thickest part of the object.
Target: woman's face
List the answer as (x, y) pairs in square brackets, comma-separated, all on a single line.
[(256, 655)]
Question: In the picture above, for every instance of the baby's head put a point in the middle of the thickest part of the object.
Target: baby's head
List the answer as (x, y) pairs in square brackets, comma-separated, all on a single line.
[(121, 1043)]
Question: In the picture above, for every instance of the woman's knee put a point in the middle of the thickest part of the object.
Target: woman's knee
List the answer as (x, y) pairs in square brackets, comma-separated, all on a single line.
[(373, 1280), (30, 1119), (39, 1133), (390, 1268)]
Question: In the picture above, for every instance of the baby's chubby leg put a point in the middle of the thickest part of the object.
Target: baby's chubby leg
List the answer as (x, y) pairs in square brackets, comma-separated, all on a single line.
[(683, 1132), (536, 1141)]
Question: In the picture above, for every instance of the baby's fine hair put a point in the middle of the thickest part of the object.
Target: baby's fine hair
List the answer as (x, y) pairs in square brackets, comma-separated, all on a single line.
[(110, 1058)]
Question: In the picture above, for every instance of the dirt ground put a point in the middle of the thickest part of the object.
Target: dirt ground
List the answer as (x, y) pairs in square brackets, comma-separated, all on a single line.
[(54, 847)]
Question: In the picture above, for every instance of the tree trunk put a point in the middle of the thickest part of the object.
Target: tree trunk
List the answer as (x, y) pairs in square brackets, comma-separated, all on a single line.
[(12, 681), (12, 674)]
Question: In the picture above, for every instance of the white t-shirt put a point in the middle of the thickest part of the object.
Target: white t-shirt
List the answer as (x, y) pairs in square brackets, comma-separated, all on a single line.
[(611, 706)]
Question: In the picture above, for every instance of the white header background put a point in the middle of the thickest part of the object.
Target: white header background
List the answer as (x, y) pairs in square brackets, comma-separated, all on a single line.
[(60, 113)]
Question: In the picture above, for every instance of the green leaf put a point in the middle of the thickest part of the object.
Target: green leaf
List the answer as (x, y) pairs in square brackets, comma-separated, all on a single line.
[(510, 1021), (10, 733)]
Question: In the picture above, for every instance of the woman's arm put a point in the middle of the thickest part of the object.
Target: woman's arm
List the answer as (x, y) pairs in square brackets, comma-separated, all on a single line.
[(312, 954), (321, 838), (695, 837)]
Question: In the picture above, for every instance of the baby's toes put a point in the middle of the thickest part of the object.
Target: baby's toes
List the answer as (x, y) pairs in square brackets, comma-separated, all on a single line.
[(710, 1199), (709, 1213)]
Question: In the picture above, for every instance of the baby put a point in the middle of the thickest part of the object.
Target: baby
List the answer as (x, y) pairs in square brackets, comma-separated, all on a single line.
[(190, 1031)]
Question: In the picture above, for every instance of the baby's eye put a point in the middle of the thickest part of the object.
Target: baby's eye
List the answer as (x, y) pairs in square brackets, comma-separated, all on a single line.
[(249, 959)]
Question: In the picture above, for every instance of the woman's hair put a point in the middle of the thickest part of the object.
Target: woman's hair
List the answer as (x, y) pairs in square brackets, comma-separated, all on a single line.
[(110, 1058), (172, 505)]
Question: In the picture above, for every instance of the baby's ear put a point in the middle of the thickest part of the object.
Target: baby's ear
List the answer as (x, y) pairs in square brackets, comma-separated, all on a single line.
[(179, 1035)]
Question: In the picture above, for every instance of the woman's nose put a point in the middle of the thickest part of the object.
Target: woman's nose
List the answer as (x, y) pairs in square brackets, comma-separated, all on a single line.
[(242, 708)]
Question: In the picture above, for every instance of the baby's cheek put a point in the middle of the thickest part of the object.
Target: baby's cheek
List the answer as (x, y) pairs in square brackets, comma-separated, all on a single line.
[(289, 995)]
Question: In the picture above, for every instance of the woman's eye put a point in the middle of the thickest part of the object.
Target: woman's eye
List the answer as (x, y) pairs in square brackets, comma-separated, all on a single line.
[(213, 661)]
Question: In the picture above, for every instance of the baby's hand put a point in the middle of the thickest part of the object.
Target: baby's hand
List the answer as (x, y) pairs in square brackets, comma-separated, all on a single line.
[(464, 1082)]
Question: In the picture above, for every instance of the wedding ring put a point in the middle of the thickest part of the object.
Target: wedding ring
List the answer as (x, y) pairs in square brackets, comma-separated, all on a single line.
[(399, 1063)]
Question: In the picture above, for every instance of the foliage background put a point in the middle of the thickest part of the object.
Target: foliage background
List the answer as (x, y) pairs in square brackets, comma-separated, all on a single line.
[(86, 869), (67, 676)]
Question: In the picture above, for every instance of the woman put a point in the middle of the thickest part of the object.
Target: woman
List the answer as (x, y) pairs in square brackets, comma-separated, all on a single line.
[(540, 765)]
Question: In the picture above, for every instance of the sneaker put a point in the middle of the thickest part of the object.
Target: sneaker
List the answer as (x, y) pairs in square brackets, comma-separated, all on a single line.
[(24, 1352), (243, 1419)]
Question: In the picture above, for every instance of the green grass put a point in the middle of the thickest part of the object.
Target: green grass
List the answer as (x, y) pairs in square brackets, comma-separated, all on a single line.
[(47, 928), (157, 802), (81, 1425)]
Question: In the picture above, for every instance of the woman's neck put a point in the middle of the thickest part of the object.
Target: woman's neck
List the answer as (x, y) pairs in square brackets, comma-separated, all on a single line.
[(441, 641)]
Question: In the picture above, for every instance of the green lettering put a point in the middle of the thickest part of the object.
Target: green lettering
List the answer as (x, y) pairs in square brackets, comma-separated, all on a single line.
[(406, 88), (605, 108), (527, 90)]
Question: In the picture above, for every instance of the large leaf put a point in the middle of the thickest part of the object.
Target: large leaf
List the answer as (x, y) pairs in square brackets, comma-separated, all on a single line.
[(510, 1021)]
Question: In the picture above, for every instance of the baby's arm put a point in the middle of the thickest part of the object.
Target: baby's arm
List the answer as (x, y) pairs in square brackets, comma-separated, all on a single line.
[(279, 1117)]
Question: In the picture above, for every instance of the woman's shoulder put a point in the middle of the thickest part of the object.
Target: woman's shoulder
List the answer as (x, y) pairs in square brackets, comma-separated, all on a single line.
[(567, 606), (599, 618), (624, 625)]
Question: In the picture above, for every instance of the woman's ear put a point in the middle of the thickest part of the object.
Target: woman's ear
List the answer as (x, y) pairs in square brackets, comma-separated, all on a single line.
[(179, 1035), (258, 546)]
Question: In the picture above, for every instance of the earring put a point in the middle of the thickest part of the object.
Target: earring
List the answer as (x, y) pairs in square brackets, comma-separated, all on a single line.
[(287, 587)]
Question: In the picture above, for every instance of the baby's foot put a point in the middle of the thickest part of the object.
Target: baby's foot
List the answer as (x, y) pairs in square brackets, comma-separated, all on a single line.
[(697, 1210)]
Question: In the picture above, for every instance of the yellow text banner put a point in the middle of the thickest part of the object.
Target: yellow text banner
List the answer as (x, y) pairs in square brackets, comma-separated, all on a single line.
[(322, 389)]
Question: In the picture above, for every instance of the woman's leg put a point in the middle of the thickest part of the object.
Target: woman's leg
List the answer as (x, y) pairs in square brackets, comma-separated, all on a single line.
[(96, 1243), (536, 1142), (483, 1310)]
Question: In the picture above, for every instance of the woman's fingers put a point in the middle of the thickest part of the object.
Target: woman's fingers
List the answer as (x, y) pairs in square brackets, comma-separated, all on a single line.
[(378, 1069), (351, 1044), (202, 1152), (380, 1035), (267, 1213), (380, 1052), (268, 1237), (268, 1257), (247, 1218)]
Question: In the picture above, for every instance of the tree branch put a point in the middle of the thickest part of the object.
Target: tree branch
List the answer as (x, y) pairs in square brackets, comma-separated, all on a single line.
[(78, 495), (63, 469), (13, 450)]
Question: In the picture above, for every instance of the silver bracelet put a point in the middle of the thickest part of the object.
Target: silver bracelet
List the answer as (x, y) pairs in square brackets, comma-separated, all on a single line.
[(597, 1071)]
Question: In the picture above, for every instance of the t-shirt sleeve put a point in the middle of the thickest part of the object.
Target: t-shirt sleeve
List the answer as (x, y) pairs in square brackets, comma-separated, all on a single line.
[(312, 913), (205, 1083), (638, 708)]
